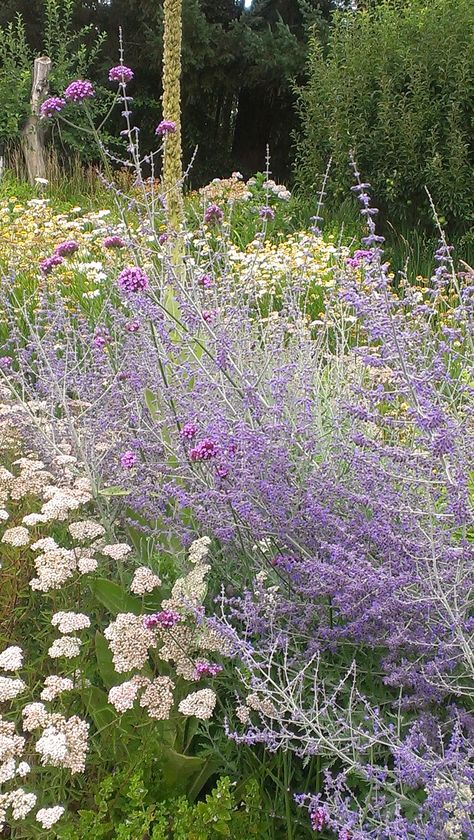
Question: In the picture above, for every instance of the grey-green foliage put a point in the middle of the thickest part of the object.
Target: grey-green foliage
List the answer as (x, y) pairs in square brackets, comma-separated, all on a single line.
[(396, 85), (15, 79)]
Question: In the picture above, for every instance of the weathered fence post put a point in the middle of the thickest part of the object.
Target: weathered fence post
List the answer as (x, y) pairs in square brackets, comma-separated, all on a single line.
[(34, 130)]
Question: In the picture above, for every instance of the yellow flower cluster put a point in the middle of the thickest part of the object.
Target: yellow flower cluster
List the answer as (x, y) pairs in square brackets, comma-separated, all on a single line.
[(263, 267)]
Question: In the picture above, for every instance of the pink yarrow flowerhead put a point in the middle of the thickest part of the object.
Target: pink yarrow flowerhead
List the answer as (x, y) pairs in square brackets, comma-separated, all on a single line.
[(204, 450), (114, 242), (66, 248), (47, 265), (120, 73), (213, 214), (79, 90), (133, 279), (165, 127), (52, 106)]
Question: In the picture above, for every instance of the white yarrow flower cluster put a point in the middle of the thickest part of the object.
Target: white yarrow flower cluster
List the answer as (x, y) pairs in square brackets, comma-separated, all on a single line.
[(199, 549), (199, 704), (86, 529), (70, 622), (55, 685), (129, 642), (144, 580), (10, 688), (67, 646), (117, 551), (16, 537), (11, 659), (47, 817)]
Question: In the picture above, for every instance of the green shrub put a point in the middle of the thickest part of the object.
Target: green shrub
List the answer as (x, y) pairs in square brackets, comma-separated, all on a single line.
[(397, 86), (126, 810)]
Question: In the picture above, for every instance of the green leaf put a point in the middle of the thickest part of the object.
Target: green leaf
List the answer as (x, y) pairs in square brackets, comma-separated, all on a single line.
[(105, 663), (182, 772), (113, 598), (114, 491)]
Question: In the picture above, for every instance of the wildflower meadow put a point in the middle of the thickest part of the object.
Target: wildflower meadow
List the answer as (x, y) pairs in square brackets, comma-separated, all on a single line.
[(236, 443)]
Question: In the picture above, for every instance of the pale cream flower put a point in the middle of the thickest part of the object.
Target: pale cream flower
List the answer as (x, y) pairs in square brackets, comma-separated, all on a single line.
[(17, 536)]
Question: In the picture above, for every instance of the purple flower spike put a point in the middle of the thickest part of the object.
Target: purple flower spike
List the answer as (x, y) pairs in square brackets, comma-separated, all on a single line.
[(120, 73), (165, 127), (65, 249), (267, 213), (204, 450), (47, 265), (52, 106), (213, 214), (114, 242), (133, 279), (78, 91), (128, 460)]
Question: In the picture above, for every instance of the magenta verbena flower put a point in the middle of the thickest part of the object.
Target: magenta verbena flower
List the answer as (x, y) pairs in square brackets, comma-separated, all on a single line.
[(113, 242), (266, 212), (101, 339), (120, 73), (163, 237), (207, 669), (47, 265), (165, 127), (209, 315), (205, 281), (128, 459), (213, 214), (79, 90), (189, 431), (52, 106), (5, 362), (165, 618), (318, 818), (133, 279), (66, 248), (133, 326), (204, 450)]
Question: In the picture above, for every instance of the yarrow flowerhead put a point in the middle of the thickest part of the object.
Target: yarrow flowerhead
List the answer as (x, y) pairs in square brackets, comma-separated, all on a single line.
[(47, 265), (120, 73), (133, 279), (213, 214), (188, 431), (65, 249), (114, 242), (267, 213), (165, 619), (165, 127), (128, 460), (79, 90), (52, 106), (204, 450)]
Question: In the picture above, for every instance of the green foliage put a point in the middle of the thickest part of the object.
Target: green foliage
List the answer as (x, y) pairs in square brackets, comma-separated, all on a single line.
[(125, 809), (396, 86), (15, 79)]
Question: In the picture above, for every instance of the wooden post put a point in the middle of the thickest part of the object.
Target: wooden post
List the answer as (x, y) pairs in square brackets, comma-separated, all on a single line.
[(34, 130)]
